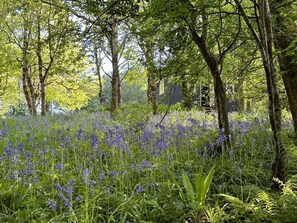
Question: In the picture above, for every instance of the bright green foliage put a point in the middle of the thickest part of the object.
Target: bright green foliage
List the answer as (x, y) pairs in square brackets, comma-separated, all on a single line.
[(195, 198)]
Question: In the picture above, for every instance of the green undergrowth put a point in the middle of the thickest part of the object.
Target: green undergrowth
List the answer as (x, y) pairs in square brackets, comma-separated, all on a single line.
[(85, 167)]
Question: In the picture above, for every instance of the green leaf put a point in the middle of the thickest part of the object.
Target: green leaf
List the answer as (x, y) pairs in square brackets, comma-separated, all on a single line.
[(199, 185), (181, 193), (188, 186), (207, 182)]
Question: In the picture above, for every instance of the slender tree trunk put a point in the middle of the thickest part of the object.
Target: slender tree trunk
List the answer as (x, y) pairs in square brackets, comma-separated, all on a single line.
[(265, 42), (240, 95), (40, 70), (290, 82), (26, 90), (115, 97), (119, 90), (25, 68), (98, 62), (152, 80), (32, 92), (188, 92), (249, 105), (279, 166), (219, 89), (152, 93), (287, 63)]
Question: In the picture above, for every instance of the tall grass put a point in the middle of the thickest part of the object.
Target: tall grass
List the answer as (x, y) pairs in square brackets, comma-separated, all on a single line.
[(87, 168)]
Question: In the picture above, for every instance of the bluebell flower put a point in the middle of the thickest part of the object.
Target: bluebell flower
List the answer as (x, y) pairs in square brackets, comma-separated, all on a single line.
[(112, 173), (107, 191), (94, 141), (78, 199), (144, 164), (86, 174), (60, 167), (67, 204), (57, 187), (71, 182), (102, 175), (52, 205), (139, 189)]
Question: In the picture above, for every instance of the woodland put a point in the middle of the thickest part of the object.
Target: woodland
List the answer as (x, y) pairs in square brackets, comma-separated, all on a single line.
[(89, 131)]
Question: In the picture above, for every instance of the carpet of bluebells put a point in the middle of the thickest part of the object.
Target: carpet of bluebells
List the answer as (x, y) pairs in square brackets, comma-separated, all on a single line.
[(87, 168)]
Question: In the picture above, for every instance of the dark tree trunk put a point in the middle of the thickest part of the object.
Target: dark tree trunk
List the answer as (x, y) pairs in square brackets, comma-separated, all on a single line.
[(119, 90), (219, 89), (188, 93), (25, 89), (284, 37), (290, 82), (205, 97), (98, 62), (152, 80), (279, 166), (152, 93), (33, 94), (265, 42), (248, 105), (240, 95), (115, 82)]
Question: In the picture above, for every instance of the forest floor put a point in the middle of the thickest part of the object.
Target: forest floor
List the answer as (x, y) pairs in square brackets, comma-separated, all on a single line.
[(85, 167)]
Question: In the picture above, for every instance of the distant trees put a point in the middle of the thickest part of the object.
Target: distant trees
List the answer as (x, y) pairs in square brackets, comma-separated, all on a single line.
[(38, 37)]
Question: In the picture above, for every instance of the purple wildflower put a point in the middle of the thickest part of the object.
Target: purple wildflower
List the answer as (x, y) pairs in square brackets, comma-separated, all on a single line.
[(102, 175), (140, 189), (52, 205), (86, 174)]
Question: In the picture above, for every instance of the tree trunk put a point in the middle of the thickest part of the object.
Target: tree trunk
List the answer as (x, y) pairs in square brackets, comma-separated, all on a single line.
[(152, 93), (40, 70), (279, 166), (290, 82), (32, 93), (98, 62), (25, 69), (119, 90), (265, 42), (25, 88), (219, 89), (152, 80), (188, 93), (115, 97), (248, 105), (287, 63)]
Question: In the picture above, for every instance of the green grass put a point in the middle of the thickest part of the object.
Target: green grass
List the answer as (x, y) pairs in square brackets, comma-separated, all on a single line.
[(87, 168)]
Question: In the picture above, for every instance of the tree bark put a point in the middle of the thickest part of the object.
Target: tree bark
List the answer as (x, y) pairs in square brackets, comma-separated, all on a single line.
[(40, 69), (265, 42), (287, 63), (98, 62), (219, 89), (151, 79), (188, 93), (26, 79), (152, 93), (115, 82)]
